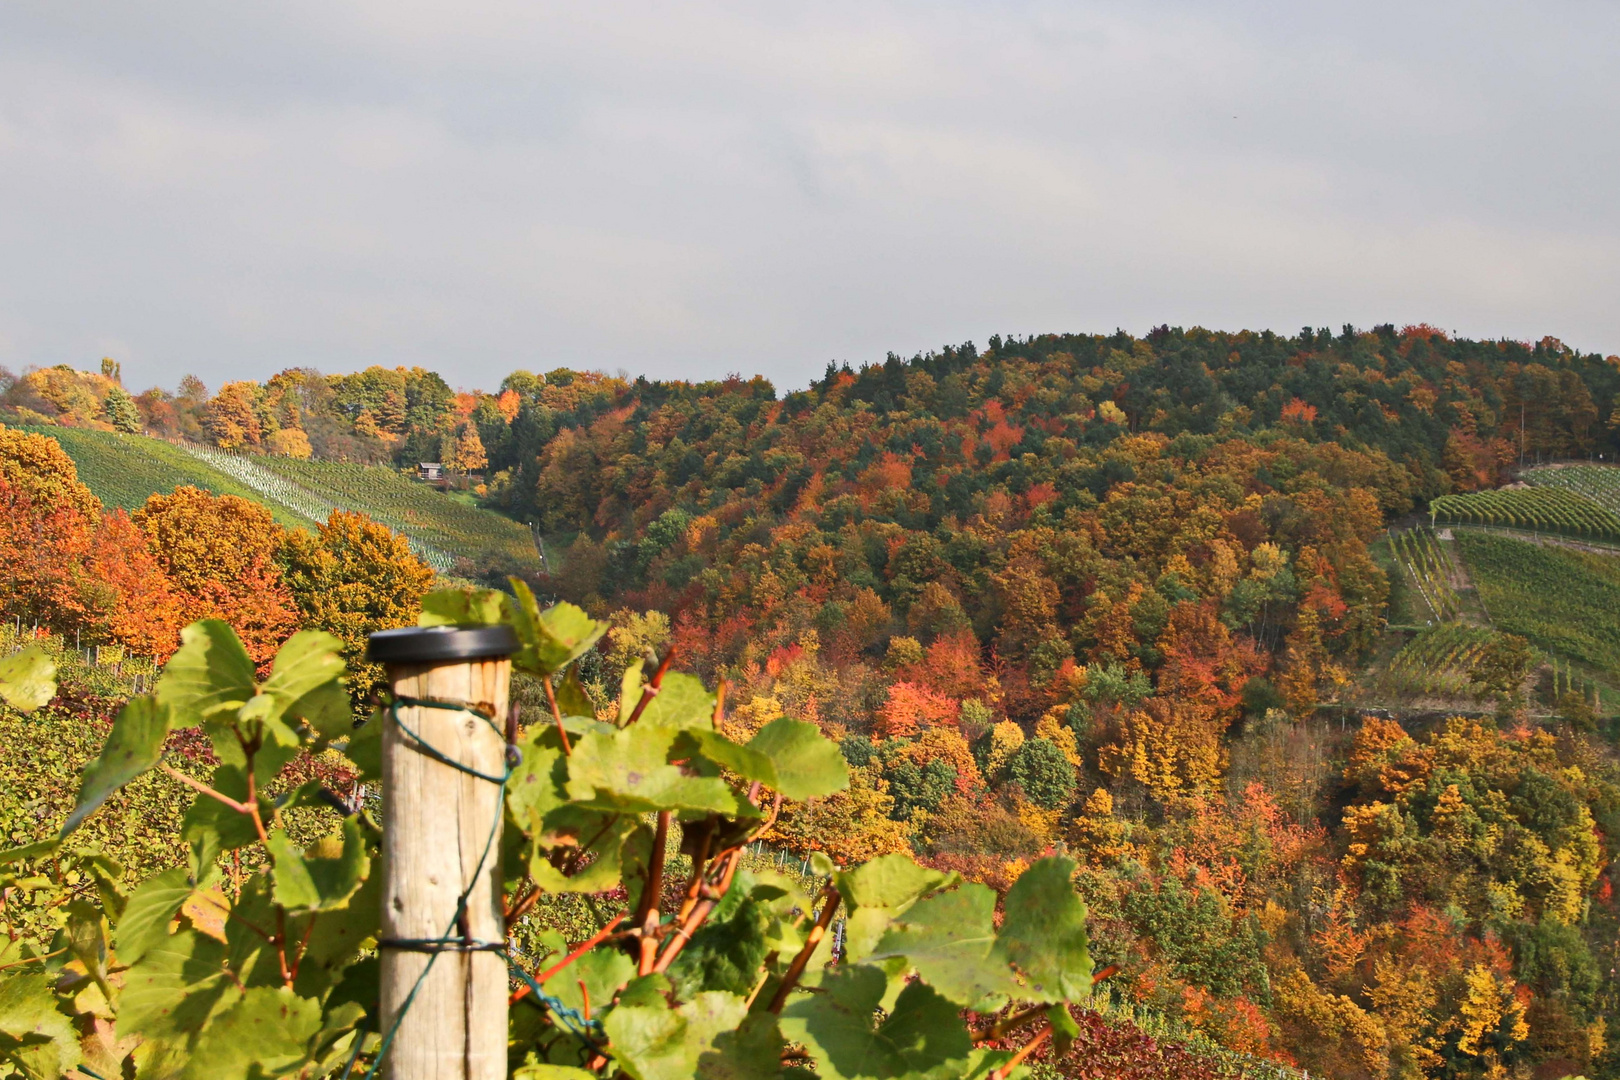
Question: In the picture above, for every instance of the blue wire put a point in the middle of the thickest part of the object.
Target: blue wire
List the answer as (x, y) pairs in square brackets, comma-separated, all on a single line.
[(588, 1030)]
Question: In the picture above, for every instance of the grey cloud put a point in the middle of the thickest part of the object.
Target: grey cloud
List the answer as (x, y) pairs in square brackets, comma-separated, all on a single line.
[(686, 190)]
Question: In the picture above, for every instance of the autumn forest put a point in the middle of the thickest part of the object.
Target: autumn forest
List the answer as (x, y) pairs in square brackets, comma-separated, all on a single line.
[(1303, 648)]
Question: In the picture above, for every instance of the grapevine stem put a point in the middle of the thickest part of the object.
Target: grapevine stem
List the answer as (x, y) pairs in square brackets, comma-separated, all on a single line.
[(579, 950), (719, 704), (700, 862), (198, 785), (1006, 1024), (1006, 1069), (650, 691), (647, 909), (800, 962), (521, 908), (34, 959), (556, 714), (727, 864)]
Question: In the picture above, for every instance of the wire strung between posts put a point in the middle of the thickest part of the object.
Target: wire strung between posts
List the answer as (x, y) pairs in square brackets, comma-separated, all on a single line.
[(590, 1031)]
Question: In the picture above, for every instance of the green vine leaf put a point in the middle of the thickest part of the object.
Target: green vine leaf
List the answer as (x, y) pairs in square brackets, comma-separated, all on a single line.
[(264, 1033), (877, 891), (35, 1037), (210, 673), (572, 700), (604, 972), (306, 683), (629, 771), (806, 764), (921, 1038), (728, 951), (682, 702), (950, 939), (151, 907), (752, 1052), (334, 943), (134, 745), (37, 850), (27, 679), (553, 1072), (323, 877), (171, 993), (650, 1042), (1043, 933), (364, 748), (551, 639), (465, 607)]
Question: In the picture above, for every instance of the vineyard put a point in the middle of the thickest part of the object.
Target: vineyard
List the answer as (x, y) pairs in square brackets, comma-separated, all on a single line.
[(420, 512), (123, 470), (1564, 601), (1430, 570), (1599, 483), (278, 490), (1437, 662), (1540, 509)]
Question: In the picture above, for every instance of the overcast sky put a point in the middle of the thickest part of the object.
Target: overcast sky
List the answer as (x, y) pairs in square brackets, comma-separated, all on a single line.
[(686, 190)]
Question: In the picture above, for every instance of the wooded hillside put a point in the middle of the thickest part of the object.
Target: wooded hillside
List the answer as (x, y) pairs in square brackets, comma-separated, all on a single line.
[(1134, 598)]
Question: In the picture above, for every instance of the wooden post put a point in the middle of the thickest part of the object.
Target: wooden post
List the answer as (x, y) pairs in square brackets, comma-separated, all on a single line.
[(439, 823)]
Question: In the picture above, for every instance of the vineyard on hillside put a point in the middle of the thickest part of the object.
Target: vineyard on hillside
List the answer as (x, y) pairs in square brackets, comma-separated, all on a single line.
[(279, 490), (1540, 509), (124, 470), (1437, 662), (1600, 483), (418, 511), (1430, 569), (1564, 601)]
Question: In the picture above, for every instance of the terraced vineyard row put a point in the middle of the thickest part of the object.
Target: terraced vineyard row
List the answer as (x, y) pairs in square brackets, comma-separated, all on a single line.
[(1564, 601), (1567, 680), (418, 511), (1600, 483), (1543, 509), (276, 488), (1430, 569), (1437, 661), (125, 470)]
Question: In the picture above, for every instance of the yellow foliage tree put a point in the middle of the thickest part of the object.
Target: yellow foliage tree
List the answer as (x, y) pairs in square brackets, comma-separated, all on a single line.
[(220, 551), (37, 466), (1005, 739), (1052, 728), (231, 417), (851, 826), (1171, 747), (290, 442), (351, 577), (1096, 833)]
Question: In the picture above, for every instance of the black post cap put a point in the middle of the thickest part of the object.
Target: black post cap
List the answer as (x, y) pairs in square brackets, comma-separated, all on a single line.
[(428, 644)]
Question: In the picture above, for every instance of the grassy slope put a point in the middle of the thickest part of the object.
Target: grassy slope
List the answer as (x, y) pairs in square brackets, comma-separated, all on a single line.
[(412, 508), (123, 470), (1563, 600)]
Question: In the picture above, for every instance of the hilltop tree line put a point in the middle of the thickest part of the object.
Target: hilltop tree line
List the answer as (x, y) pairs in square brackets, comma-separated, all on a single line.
[(1089, 591)]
